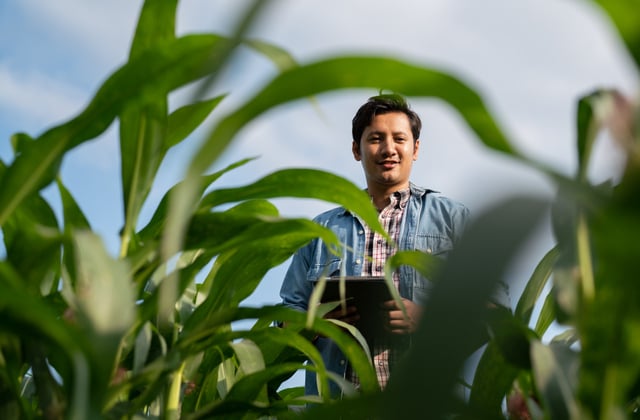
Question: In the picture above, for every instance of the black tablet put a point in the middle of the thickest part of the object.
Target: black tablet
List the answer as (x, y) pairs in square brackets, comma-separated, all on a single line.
[(366, 293)]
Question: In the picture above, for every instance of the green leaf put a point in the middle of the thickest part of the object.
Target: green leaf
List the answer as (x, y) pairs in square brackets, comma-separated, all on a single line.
[(218, 232), (624, 15), (492, 381), (104, 295), (156, 25), (593, 111), (239, 271), (512, 337), (333, 74), (142, 347), (426, 264), (302, 183), (535, 286), (104, 303), (143, 125), (547, 315), (32, 242), (156, 71), (154, 228), (250, 361), (186, 119), (554, 369), (19, 141), (142, 141), (40, 323), (74, 218), (280, 57)]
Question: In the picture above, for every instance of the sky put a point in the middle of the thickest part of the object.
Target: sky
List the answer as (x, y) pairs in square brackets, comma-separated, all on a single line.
[(531, 60)]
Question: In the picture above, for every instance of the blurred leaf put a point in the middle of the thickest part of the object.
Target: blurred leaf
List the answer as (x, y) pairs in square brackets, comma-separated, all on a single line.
[(511, 336), (105, 305), (427, 375), (156, 24), (352, 72), (32, 243), (492, 381), (555, 368), (104, 294), (19, 142), (155, 226), (588, 127), (624, 15), (328, 75), (142, 347), (41, 323), (280, 57), (566, 338), (609, 325), (156, 71)]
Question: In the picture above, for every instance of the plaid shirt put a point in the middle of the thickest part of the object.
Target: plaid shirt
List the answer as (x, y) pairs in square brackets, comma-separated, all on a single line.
[(377, 250)]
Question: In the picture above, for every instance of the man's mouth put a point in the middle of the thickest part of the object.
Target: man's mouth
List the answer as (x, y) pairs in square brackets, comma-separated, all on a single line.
[(388, 163)]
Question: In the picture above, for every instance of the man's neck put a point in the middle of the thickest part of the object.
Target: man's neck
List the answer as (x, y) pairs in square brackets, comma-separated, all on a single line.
[(381, 197)]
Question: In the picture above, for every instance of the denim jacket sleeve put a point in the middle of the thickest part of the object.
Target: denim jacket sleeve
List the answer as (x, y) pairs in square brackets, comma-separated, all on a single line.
[(296, 289), (315, 260)]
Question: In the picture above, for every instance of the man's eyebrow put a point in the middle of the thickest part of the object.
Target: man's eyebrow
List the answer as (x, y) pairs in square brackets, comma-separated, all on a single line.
[(380, 132)]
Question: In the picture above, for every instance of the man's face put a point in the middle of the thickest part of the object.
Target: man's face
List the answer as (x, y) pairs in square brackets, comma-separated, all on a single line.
[(387, 151)]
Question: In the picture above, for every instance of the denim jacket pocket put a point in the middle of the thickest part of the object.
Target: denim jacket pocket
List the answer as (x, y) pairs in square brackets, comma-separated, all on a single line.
[(437, 245), (330, 268)]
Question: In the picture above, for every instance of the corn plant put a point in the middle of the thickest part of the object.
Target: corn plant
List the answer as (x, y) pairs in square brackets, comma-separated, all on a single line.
[(149, 332)]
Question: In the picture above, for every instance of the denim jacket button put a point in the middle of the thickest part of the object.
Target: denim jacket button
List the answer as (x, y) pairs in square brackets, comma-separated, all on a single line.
[(358, 262)]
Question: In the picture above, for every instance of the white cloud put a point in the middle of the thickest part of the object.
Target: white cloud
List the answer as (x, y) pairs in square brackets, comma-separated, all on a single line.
[(36, 97), (100, 31)]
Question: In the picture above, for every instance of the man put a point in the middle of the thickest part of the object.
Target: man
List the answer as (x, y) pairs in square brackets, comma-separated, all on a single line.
[(386, 141)]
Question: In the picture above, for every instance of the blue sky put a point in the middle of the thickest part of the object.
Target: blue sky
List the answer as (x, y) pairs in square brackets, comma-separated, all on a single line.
[(530, 59)]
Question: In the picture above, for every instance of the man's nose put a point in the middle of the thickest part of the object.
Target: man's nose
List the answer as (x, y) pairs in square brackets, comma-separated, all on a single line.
[(388, 147)]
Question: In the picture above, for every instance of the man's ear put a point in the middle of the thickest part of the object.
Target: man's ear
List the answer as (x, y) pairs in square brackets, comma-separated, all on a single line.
[(416, 148), (355, 148)]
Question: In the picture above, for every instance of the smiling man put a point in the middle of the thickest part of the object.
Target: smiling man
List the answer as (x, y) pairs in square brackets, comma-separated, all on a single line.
[(386, 141)]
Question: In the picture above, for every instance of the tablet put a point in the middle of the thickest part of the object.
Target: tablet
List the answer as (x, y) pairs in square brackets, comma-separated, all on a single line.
[(365, 293)]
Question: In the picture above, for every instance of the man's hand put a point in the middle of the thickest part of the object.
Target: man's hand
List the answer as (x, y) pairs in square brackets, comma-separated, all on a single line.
[(396, 322)]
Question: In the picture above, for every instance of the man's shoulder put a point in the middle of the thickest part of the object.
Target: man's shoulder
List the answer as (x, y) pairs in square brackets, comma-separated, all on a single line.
[(330, 214), (437, 199)]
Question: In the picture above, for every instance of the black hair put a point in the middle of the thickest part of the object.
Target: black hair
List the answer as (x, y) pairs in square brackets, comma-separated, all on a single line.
[(383, 104)]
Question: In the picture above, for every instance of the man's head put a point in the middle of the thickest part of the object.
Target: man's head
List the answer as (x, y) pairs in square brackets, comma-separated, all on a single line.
[(383, 104), (385, 141)]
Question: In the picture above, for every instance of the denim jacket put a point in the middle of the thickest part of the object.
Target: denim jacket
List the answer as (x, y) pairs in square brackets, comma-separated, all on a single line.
[(431, 223)]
